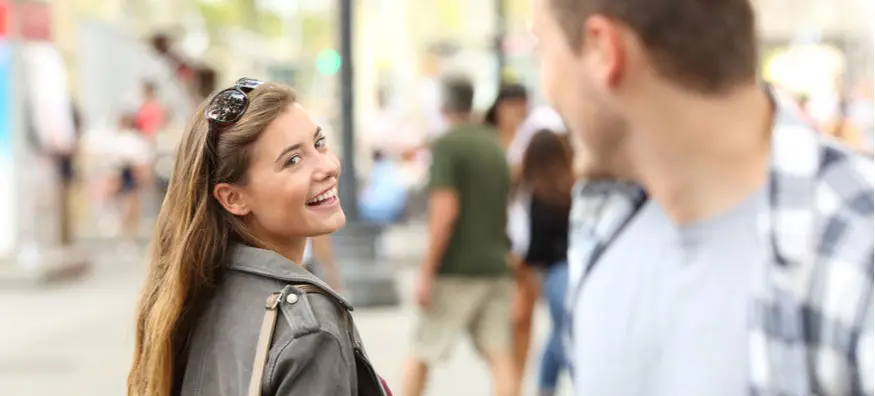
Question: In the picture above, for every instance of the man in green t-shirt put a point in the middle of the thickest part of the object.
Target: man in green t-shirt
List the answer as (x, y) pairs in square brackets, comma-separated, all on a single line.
[(465, 284)]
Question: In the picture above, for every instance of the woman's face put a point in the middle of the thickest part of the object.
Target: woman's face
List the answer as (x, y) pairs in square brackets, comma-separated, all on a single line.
[(512, 112), (291, 183)]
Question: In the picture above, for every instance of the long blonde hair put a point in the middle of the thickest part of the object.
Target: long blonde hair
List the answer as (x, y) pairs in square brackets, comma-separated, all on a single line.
[(192, 234)]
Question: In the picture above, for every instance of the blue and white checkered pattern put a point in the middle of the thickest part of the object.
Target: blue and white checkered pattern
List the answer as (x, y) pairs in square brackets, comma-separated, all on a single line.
[(811, 318)]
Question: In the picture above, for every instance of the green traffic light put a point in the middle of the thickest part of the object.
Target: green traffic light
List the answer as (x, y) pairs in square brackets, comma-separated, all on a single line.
[(328, 62)]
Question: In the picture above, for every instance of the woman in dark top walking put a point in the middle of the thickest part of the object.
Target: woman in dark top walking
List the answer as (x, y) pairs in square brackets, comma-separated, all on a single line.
[(547, 173)]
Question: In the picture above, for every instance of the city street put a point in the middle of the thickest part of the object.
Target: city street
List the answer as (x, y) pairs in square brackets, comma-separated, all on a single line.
[(75, 338)]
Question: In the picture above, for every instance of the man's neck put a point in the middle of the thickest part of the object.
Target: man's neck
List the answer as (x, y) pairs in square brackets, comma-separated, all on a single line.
[(698, 157), (458, 119)]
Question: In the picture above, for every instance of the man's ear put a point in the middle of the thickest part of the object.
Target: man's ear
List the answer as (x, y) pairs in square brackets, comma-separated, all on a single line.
[(606, 42), (231, 198)]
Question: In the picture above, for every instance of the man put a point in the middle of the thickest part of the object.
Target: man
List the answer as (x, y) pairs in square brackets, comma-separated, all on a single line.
[(465, 284), (737, 256)]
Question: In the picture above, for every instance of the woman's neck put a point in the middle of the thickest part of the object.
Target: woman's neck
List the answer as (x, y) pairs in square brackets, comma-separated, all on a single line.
[(505, 136), (293, 250)]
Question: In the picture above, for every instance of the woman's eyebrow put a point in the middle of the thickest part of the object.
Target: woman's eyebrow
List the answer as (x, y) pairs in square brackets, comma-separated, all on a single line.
[(287, 150), (296, 145)]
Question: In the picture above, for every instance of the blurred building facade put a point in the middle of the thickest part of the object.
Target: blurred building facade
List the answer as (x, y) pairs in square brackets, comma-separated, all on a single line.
[(397, 42)]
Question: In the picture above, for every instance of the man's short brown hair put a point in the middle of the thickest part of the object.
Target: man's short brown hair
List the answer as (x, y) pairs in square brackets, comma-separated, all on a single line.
[(708, 46)]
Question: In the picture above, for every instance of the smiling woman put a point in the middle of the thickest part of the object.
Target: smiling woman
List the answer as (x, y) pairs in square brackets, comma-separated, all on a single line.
[(253, 179)]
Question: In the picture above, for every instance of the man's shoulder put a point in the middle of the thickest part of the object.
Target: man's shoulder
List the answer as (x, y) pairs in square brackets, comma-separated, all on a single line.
[(845, 181), (844, 198), (465, 132), (847, 172), (468, 136)]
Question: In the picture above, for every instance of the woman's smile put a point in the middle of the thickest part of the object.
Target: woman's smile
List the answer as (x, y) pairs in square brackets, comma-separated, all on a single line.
[(324, 200)]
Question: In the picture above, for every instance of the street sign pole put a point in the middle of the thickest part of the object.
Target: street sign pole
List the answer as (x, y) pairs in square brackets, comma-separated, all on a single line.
[(369, 279), (349, 190)]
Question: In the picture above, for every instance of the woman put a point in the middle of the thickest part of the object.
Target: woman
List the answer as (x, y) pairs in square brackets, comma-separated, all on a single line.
[(253, 179), (508, 112), (507, 115), (547, 173)]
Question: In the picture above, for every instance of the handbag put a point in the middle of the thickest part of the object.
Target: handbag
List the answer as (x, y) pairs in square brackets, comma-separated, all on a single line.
[(369, 383)]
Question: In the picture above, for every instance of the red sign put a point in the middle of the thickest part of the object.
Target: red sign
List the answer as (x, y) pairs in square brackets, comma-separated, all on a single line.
[(4, 18), (36, 21)]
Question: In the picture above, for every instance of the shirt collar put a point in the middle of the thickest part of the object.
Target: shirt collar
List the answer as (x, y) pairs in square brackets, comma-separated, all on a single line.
[(269, 264)]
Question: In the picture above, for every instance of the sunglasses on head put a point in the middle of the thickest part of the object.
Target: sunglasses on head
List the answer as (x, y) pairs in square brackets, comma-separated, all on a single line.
[(228, 106)]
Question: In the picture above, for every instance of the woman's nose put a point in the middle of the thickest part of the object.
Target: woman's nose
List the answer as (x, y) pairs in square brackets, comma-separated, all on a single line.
[(328, 167)]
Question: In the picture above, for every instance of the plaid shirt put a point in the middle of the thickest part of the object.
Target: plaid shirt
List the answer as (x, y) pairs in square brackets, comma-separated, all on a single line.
[(810, 319)]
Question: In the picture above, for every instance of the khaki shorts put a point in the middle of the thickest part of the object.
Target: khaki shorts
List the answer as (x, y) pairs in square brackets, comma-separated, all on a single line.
[(479, 307)]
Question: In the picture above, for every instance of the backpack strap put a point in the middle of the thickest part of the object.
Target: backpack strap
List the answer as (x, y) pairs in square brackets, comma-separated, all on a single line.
[(262, 347), (268, 327), (265, 338)]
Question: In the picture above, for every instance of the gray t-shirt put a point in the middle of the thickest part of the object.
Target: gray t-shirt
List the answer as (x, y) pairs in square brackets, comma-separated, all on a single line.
[(664, 312)]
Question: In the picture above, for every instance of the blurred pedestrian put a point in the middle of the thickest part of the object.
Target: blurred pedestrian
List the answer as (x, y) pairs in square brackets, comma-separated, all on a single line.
[(226, 308), (133, 153), (508, 112), (720, 245), (547, 173), (464, 283), (151, 115), (844, 129), (507, 115), (319, 259), (67, 174), (385, 195)]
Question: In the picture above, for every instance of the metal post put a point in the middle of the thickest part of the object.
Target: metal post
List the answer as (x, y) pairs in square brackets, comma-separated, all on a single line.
[(500, 31), (368, 279), (348, 182)]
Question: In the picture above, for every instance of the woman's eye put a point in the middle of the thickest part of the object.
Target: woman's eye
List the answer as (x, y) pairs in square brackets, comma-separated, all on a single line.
[(321, 142), (294, 160)]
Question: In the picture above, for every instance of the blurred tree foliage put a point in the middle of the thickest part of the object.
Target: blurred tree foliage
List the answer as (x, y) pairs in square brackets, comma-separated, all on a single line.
[(244, 14)]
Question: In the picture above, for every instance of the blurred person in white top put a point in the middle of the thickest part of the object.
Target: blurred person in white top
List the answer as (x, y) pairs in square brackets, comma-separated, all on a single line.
[(132, 155), (507, 115)]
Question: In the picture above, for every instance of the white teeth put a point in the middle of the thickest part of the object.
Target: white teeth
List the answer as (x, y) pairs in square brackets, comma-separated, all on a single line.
[(326, 195)]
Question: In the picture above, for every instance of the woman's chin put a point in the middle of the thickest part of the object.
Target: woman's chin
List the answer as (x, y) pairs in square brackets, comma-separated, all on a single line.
[(332, 223)]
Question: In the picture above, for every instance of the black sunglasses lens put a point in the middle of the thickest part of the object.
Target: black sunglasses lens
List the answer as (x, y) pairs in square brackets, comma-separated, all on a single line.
[(248, 84), (227, 106)]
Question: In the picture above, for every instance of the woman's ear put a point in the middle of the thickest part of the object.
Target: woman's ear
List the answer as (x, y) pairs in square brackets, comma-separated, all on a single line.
[(231, 198)]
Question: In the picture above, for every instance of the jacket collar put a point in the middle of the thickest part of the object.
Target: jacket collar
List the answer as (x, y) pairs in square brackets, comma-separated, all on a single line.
[(270, 264)]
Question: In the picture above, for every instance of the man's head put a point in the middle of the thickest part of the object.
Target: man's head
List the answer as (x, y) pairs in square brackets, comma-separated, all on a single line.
[(599, 56), (457, 98)]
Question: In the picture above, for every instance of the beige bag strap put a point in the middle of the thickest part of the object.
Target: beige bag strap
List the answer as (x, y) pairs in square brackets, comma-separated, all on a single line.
[(265, 337)]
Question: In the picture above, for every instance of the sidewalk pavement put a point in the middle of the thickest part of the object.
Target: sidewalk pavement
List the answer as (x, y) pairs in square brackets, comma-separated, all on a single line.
[(75, 338)]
